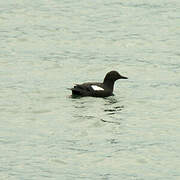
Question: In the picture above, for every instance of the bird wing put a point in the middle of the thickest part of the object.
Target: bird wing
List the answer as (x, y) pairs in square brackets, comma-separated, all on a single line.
[(81, 89)]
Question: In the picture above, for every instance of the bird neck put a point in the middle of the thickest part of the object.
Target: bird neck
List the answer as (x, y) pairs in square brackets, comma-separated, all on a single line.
[(109, 83)]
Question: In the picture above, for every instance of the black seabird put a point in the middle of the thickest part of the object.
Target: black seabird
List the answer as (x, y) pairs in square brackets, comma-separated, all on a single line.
[(96, 89)]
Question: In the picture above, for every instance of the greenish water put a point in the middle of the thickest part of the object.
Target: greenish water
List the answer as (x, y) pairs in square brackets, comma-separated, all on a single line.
[(46, 47)]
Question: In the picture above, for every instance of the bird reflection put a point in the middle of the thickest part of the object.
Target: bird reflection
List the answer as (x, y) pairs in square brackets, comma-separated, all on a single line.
[(111, 106), (112, 109), (107, 121)]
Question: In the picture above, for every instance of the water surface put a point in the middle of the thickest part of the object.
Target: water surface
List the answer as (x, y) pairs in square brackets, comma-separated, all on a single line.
[(46, 47)]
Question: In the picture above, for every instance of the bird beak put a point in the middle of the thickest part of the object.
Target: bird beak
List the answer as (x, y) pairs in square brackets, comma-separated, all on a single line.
[(123, 77)]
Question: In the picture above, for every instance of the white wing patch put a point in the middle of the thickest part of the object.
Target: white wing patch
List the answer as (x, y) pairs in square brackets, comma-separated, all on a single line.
[(97, 88)]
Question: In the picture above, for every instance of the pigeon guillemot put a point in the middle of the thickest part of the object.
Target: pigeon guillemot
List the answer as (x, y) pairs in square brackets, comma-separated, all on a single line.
[(96, 89)]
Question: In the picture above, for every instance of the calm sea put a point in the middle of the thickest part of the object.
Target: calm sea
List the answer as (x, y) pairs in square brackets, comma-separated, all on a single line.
[(48, 46)]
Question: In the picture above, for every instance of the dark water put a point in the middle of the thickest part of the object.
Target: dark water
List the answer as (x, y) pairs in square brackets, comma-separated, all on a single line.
[(46, 47)]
